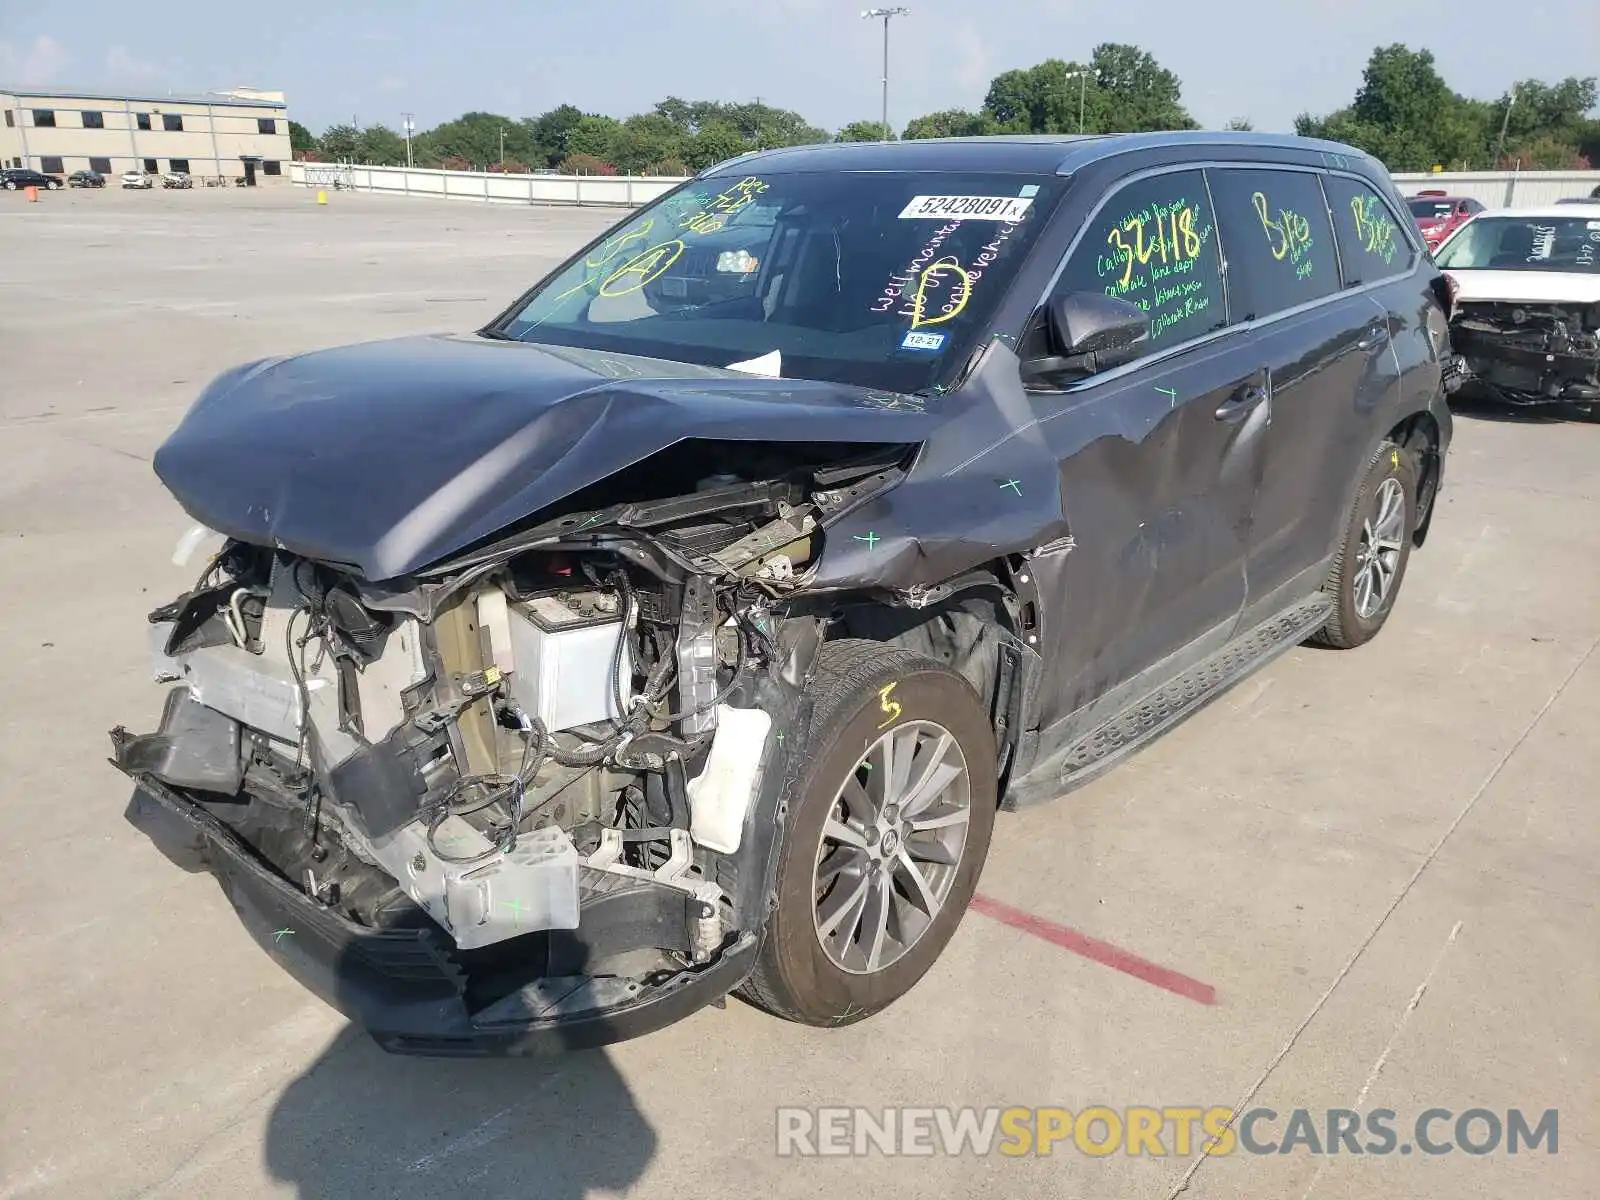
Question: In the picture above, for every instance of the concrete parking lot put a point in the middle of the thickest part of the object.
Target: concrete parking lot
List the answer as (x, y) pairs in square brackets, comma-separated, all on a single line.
[(1363, 880)]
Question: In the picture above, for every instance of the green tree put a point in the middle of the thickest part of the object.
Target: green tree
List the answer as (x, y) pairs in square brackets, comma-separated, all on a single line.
[(380, 146), (1139, 93), (1544, 152), (1550, 114), (951, 122), (340, 143), (759, 125), (1406, 115), (1121, 89), (593, 136), (863, 131), (475, 137), (548, 134), (712, 143), (1034, 99), (300, 138), (1239, 124)]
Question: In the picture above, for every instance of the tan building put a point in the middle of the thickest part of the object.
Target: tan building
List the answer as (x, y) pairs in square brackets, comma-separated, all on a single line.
[(242, 132)]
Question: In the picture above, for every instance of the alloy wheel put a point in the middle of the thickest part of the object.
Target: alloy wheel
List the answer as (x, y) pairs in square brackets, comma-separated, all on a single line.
[(1379, 557), (891, 846)]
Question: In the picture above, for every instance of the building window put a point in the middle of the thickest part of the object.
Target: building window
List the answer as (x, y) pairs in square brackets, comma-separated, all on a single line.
[(150, 167), (44, 118), (179, 166), (266, 125), (271, 166), (172, 122), (93, 120), (103, 165), (50, 164), (143, 120)]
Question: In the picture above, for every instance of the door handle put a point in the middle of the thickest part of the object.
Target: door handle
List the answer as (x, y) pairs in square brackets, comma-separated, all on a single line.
[(1240, 404), (1376, 336)]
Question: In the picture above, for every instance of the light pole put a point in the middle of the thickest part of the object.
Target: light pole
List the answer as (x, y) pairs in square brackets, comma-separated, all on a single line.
[(885, 13), (407, 124), (502, 149), (1083, 84), (1505, 122)]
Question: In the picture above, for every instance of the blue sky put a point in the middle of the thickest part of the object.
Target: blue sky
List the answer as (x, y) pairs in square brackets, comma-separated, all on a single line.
[(336, 61)]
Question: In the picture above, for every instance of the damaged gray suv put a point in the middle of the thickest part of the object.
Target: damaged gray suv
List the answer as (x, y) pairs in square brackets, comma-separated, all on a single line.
[(683, 630)]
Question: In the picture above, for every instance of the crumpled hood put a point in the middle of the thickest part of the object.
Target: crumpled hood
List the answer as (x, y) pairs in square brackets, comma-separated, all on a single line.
[(388, 456)]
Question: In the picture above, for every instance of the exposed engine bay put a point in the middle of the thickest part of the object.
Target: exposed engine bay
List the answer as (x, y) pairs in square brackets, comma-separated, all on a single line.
[(1532, 353), (565, 727)]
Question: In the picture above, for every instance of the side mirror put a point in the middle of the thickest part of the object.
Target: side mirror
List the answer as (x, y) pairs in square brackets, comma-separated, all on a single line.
[(1090, 332)]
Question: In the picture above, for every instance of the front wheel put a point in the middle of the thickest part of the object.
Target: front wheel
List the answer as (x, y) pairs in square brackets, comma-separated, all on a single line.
[(11, 185), (1371, 564), (888, 824)]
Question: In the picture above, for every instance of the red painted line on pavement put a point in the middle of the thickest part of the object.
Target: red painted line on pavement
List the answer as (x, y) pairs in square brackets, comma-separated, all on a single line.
[(1095, 950)]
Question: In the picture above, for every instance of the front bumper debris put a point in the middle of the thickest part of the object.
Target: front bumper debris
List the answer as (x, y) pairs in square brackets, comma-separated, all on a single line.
[(407, 987), (1530, 354)]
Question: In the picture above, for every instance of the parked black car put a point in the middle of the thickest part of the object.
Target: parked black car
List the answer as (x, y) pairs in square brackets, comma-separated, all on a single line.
[(86, 179), (553, 680), (14, 179)]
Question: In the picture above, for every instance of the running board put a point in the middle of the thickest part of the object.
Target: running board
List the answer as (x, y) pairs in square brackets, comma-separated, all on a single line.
[(1156, 712)]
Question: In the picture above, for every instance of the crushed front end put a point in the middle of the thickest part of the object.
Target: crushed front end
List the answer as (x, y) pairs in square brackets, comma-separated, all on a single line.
[(1531, 353), (524, 801)]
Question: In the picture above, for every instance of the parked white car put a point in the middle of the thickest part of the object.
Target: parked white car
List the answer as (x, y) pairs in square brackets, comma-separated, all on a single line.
[(1526, 284), (138, 179)]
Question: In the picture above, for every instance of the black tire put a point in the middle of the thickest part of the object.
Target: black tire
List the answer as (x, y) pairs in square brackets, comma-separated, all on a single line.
[(794, 977), (11, 185), (52, 185), (1348, 627)]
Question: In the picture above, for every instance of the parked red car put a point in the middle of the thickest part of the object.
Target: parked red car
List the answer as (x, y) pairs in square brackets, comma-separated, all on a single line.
[(1437, 214)]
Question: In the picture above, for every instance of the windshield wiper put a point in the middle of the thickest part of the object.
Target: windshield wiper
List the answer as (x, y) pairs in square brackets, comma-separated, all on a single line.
[(498, 335)]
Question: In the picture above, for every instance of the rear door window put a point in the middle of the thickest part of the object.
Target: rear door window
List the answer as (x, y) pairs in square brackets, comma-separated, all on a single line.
[(1154, 243), (1371, 245), (1277, 239)]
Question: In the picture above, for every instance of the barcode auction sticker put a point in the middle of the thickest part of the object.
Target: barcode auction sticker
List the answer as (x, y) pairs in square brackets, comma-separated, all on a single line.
[(967, 208)]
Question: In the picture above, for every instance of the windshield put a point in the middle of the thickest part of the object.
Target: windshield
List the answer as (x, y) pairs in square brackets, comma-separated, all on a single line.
[(1524, 244), (883, 279), (1431, 210)]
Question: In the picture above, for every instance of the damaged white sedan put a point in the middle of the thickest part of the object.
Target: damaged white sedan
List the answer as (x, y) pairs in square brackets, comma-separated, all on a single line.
[(1527, 303)]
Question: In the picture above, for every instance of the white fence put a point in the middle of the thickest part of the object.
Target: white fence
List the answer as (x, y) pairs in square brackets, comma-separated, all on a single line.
[(1497, 189), (1504, 189), (485, 186)]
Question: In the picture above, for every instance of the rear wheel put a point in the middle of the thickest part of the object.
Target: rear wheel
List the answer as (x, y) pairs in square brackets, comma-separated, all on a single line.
[(1371, 564), (888, 825), (52, 185)]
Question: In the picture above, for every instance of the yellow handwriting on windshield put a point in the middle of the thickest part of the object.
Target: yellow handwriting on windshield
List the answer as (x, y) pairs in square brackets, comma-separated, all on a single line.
[(929, 280), (716, 211), (1374, 229), (641, 269), (611, 247)]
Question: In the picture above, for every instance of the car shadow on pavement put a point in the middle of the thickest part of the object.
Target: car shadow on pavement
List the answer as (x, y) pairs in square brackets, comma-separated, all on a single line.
[(1482, 408), (362, 1122)]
